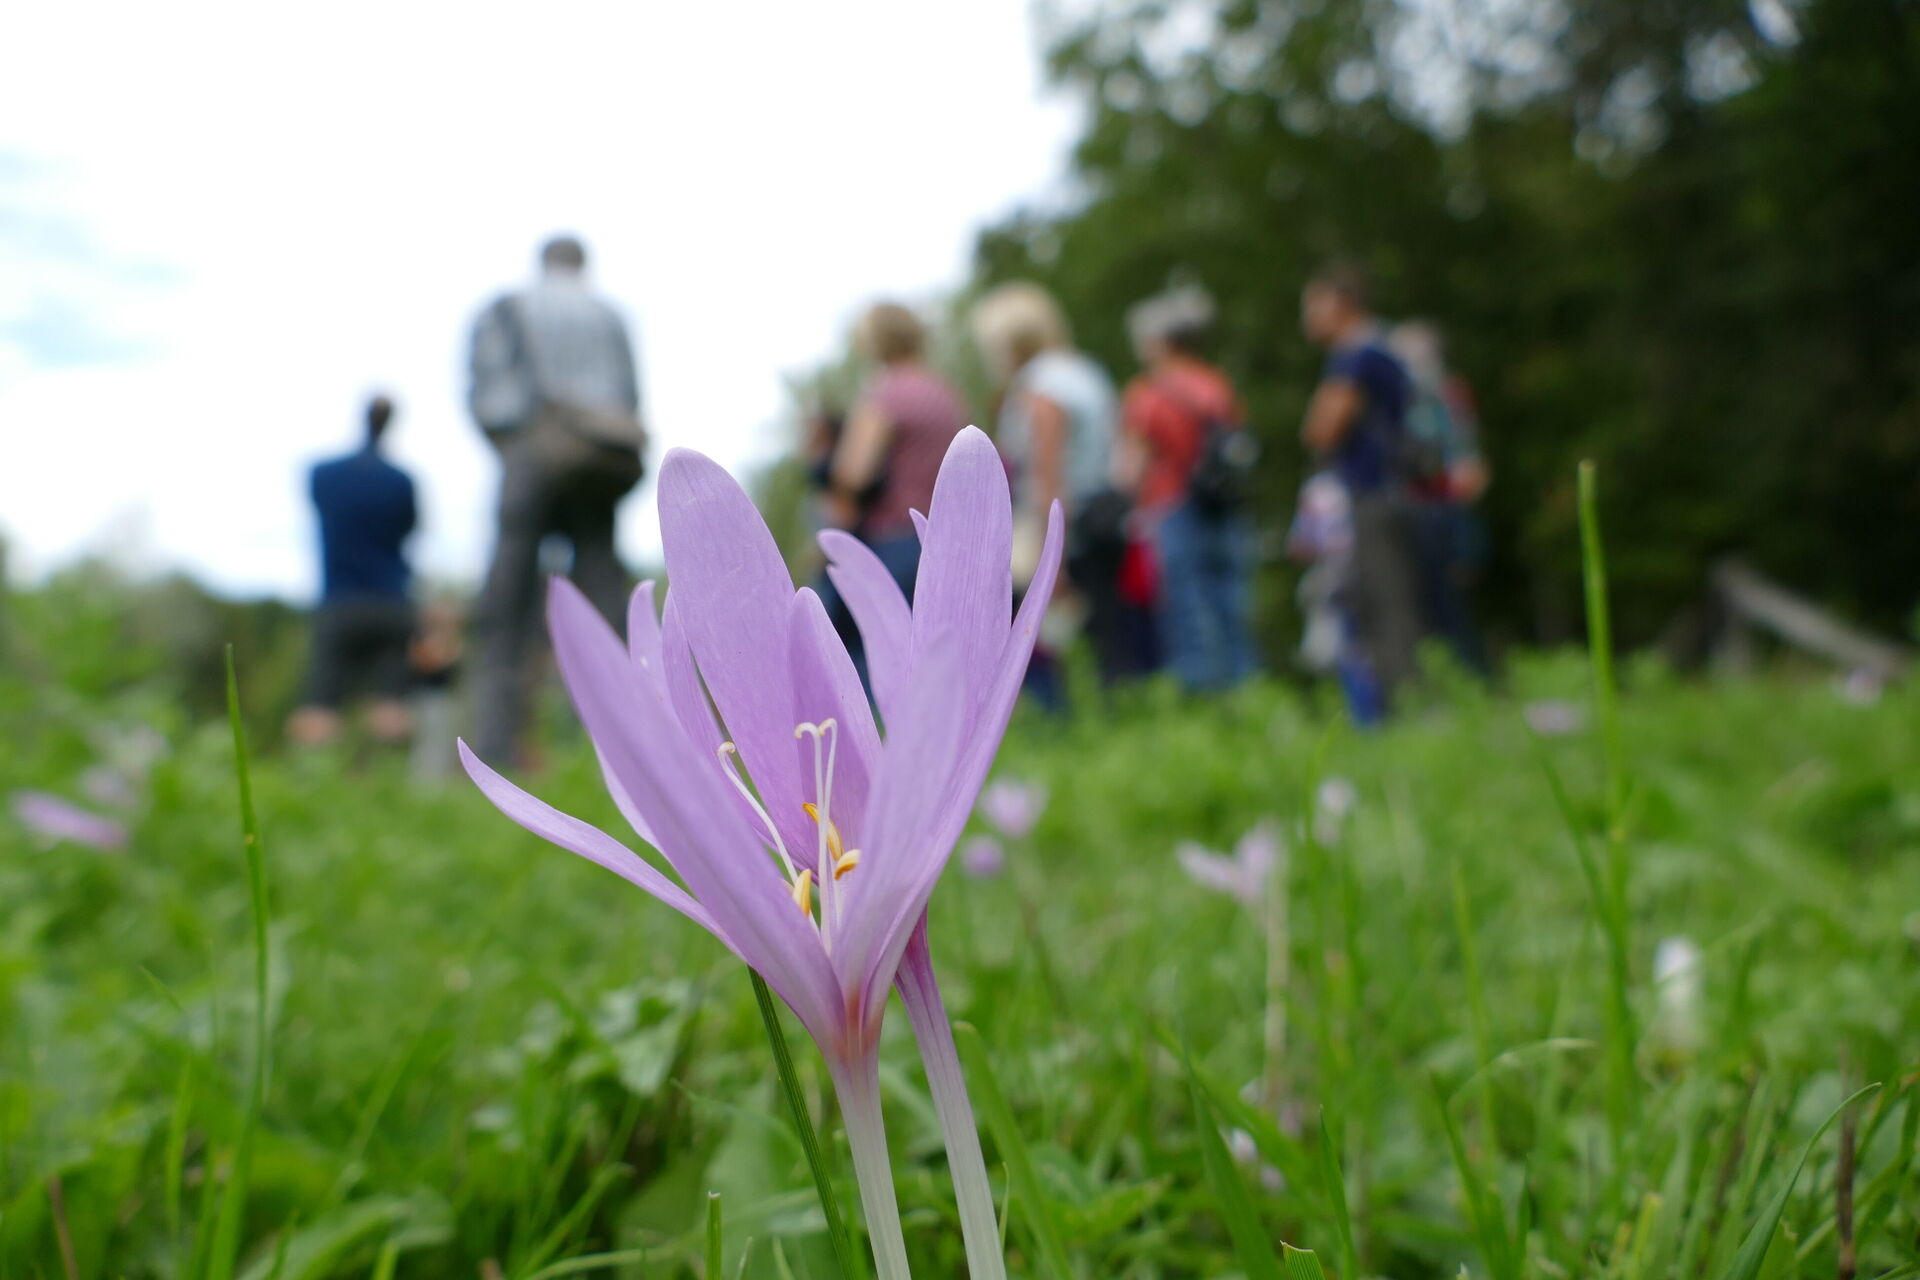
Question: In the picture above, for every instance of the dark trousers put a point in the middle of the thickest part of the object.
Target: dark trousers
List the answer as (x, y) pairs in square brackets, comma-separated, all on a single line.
[(360, 647), (1444, 555), (1381, 593), (1124, 636), (537, 503)]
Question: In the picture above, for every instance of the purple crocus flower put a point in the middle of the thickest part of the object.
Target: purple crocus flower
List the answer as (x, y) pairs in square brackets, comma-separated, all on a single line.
[(982, 857), (807, 844), (56, 820), (1013, 807), (1244, 874)]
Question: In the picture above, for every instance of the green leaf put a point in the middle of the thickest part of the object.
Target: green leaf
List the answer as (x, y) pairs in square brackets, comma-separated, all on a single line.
[(716, 1254), (1250, 1240), (1335, 1185), (317, 1249), (1303, 1265), (1036, 1208), (1483, 1209), (226, 1235), (1753, 1252)]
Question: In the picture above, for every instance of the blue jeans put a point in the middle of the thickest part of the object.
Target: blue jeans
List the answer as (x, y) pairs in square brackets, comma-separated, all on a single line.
[(1205, 563)]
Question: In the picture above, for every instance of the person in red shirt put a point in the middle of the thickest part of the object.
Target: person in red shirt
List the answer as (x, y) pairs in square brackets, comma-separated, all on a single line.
[(1205, 556)]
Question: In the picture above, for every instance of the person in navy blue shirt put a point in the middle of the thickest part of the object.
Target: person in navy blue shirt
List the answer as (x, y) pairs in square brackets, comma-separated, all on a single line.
[(1356, 429), (365, 621)]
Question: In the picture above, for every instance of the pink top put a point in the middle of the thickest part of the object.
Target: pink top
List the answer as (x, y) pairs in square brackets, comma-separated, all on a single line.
[(924, 413)]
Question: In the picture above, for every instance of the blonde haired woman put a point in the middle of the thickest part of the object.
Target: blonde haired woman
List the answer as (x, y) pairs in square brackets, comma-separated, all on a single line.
[(1057, 426)]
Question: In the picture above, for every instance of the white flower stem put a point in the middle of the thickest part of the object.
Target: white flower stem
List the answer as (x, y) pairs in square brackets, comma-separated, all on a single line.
[(858, 1088), (973, 1194)]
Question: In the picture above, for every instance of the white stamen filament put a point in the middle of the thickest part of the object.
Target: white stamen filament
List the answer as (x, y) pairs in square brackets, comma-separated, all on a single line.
[(827, 732), (729, 765)]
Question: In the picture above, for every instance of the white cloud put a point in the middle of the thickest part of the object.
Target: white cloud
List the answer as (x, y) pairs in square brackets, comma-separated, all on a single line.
[(275, 212)]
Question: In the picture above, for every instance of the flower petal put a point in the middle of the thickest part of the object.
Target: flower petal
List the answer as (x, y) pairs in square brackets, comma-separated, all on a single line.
[(826, 685), (732, 592), (965, 584), (1211, 870), (585, 839), (994, 704), (878, 607), (990, 710), (905, 851), (633, 725), (56, 819), (1012, 807), (691, 708), (689, 696), (1259, 851), (643, 628)]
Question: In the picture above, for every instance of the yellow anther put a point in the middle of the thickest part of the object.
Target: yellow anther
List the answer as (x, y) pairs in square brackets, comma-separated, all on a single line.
[(834, 844), (803, 892), (845, 863)]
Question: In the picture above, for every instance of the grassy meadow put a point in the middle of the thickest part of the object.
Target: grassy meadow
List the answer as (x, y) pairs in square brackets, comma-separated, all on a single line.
[(1439, 1049)]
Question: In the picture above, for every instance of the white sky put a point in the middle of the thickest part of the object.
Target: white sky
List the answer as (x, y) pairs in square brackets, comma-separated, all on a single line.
[(221, 225)]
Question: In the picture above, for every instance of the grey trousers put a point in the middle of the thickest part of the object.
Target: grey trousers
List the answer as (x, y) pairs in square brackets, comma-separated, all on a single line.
[(535, 505), (1381, 592)]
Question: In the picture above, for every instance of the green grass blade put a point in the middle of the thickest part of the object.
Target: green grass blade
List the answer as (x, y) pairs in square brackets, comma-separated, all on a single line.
[(226, 1238), (1593, 565), (389, 1259), (844, 1256), (636, 1258), (1753, 1252), (716, 1255), (1250, 1242), (1303, 1265), (1621, 1035), (279, 1267), (1483, 1210), (1037, 1207), (173, 1163), (602, 1182), (1335, 1185)]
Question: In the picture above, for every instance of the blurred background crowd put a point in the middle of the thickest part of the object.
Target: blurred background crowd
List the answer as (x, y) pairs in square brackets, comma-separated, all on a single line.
[(1300, 254)]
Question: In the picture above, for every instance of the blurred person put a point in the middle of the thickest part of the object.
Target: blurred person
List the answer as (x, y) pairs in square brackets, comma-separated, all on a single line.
[(1059, 418), (1204, 554), (364, 622), (1356, 428), (885, 462), (1449, 542), (555, 389)]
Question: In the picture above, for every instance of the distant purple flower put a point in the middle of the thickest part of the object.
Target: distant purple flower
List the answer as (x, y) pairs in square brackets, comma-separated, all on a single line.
[(1554, 717), (982, 857), (1013, 807), (57, 820), (804, 800), (1244, 874)]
